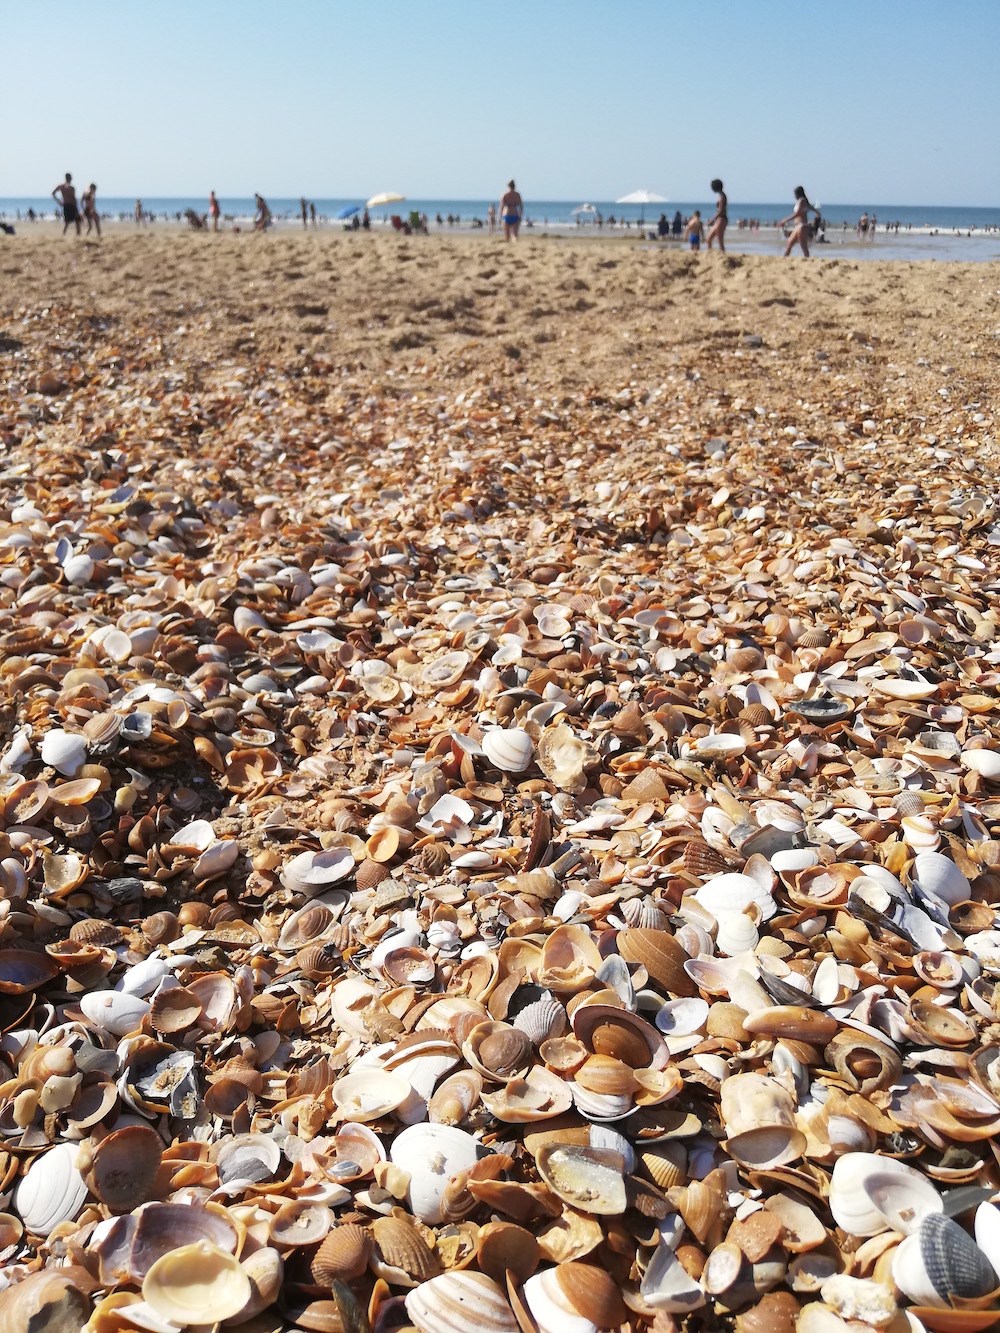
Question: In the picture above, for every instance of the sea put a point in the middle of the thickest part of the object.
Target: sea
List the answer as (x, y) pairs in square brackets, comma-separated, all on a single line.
[(923, 231)]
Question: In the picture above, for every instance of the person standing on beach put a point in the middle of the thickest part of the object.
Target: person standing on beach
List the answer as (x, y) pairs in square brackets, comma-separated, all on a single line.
[(511, 212), (262, 217), (491, 218), (213, 210), (89, 201), (717, 226), (140, 215), (304, 210), (312, 215), (799, 217), (65, 194), (695, 230)]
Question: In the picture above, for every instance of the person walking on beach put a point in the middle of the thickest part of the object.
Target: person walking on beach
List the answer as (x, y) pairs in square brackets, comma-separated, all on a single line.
[(717, 226), (262, 217), (213, 210), (304, 210), (140, 215), (799, 217), (491, 218), (862, 226), (312, 215), (89, 201), (694, 232), (511, 212), (65, 194)]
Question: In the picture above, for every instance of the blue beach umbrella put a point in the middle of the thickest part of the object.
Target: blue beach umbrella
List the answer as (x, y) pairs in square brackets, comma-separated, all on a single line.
[(349, 211)]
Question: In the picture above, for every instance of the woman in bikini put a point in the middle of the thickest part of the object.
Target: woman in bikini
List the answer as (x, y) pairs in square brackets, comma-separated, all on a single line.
[(799, 217), (511, 211), (717, 226)]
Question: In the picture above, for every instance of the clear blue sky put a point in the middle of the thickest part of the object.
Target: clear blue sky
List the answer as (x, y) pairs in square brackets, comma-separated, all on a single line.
[(883, 101)]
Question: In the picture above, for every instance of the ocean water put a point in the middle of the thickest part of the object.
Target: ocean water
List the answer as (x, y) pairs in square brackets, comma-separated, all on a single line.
[(924, 232)]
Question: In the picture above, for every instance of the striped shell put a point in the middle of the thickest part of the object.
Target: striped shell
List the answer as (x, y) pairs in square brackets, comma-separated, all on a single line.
[(641, 912), (400, 1245), (342, 1256), (701, 859)]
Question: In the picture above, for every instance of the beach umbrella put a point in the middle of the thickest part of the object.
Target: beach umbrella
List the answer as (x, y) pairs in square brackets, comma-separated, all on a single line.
[(349, 211), (377, 200), (641, 197)]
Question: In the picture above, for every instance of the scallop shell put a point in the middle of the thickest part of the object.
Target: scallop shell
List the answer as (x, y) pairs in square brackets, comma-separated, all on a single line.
[(401, 1246), (939, 1263), (432, 1154), (343, 1255), (51, 1191), (196, 1284), (508, 748), (458, 1303), (542, 1019)]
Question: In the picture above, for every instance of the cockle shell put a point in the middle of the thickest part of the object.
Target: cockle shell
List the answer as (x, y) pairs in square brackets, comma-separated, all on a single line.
[(459, 1303), (432, 1154), (64, 751), (401, 1246), (939, 1263), (343, 1255), (51, 1191), (542, 1018), (197, 1284), (508, 748)]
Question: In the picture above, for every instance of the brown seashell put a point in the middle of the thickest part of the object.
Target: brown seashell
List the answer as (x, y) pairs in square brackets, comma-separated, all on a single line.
[(124, 1166), (607, 1076), (776, 1312), (864, 1063), (620, 1034), (665, 1164), (701, 859), (756, 715), (161, 928), (93, 930), (500, 1053), (593, 1293), (793, 1022), (369, 874), (193, 914), (175, 1010), (45, 1302), (503, 1247), (343, 1255), (661, 956), (400, 1245), (319, 961)]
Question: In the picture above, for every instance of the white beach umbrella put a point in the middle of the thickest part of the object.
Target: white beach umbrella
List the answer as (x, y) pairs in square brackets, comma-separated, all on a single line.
[(388, 197), (641, 197)]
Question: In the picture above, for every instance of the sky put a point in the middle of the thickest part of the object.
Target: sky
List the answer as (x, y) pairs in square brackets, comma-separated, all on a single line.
[(871, 101)]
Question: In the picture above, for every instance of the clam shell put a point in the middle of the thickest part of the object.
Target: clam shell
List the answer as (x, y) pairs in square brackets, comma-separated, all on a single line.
[(502, 1247), (342, 1256), (45, 1302), (459, 1302), (162, 1227), (115, 1011), (310, 872), (196, 1284), (984, 762), (759, 1116), (939, 876), (64, 751), (569, 961), (869, 1193), (432, 1154), (508, 748), (299, 1222), (124, 1167), (564, 758), (661, 956), (550, 1307), (51, 1191), (607, 1031), (455, 1098), (368, 1094), (940, 1262), (590, 1179), (499, 1052)]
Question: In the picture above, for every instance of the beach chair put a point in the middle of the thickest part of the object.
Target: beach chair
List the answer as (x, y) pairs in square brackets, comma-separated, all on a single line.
[(415, 223), (397, 222)]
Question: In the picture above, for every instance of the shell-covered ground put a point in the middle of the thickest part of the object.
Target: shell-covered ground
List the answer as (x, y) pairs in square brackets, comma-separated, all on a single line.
[(499, 776)]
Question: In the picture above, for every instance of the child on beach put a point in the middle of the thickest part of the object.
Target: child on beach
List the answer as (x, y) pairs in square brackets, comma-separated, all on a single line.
[(694, 232)]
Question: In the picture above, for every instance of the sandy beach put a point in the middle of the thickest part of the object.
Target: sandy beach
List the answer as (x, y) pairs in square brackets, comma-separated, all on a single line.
[(463, 695)]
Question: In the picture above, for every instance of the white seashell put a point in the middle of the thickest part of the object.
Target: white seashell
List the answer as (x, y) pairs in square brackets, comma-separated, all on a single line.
[(553, 620), (51, 1191), (939, 1262), (197, 836), (986, 762), (666, 1284), (736, 933), (870, 1193), (940, 877), (854, 1298), (65, 751), (826, 982), (550, 1306), (308, 872), (216, 859), (988, 1232), (679, 1018), (920, 833), (719, 745), (79, 569), (448, 812), (423, 1073), (143, 978), (459, 1302), (899, 688), (794, 859), (368, 1094), (733, 892), (115, 1011), (432, 1154), (509, 748), (117, 645)]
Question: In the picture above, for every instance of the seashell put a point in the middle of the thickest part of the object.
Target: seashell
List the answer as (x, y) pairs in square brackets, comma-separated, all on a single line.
[(866, 1064), (719, 745), (160, 928), (984, 762), (44, 1302), (939, 1263), (432, 1154), (342, 1256), (308, 925), (22, 970), (666, 1164), (869, 1193), (458, 1302), (590, 1179), (500, 1053), (51, 1191), (564, 758), (569, 961), (541, 1019), (759, 1117), (114, 1011), (640, 912), (823, 710), (736, 933), (310, 872), (661, 956), (124, 1167), (368, 1094), (266, 1270), (792, 1022), (502, 1247), (735, 892), (246, 1159), (508, 748), (666, 1285), (299, 1222), (401, 1246), (455, 1098), (607, 1031), (64, 751), (175, 1010), (551, 1309), (940, 877), (196, 1284)]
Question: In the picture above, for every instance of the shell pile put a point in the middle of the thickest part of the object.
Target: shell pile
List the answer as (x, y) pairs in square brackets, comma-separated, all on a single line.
[(478, 855)]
